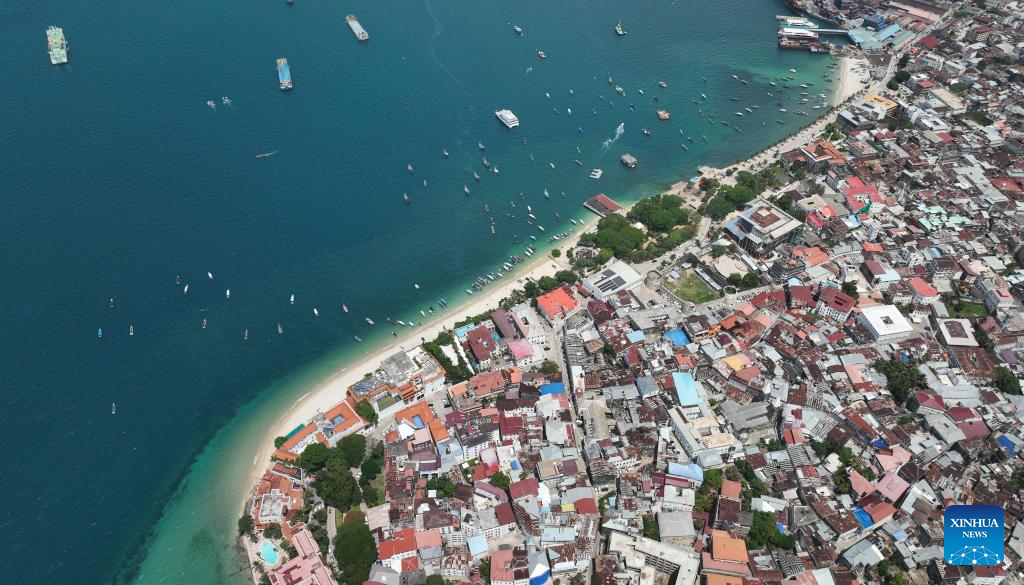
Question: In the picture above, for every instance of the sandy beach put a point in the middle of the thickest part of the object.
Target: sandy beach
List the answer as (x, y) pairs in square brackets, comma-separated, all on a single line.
[(332, 390)]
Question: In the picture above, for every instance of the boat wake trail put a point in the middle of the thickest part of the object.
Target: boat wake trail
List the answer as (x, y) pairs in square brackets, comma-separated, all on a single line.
[(438, 29), (610, 141)]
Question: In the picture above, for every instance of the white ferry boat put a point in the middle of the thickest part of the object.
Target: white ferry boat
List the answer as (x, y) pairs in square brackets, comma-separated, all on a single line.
[(507, 118)]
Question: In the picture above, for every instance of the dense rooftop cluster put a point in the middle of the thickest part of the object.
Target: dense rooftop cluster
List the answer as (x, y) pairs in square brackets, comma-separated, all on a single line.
[(808, 422)]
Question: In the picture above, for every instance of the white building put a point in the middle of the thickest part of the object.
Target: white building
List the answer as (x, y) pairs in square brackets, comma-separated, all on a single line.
[(615, 277), (885, 323)]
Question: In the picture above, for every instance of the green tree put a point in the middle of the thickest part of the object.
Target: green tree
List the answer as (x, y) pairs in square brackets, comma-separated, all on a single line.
[(549, 367), (1006, 381), (313, 457), (718, 251), (547, 283), (442, 484), (904, 60), (751, 279), (500, 480), (337, 488), (272, 531), (902, 378), (764, 533), (355, 551), (435, 580), (352, 448), (485, 570), (850, 288), (279, 441), (371, 496), (734, 279), (245, 525), (709, 184), (651, 528), (718, 208), (556, 253), (366, 412)]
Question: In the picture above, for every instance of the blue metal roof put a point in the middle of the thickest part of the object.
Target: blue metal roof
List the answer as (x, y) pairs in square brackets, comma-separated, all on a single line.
[(635, 336), (552, 388), (690, 471), (677, 337), (863, 517), (1007, 444), (686, 388), (888, 31)]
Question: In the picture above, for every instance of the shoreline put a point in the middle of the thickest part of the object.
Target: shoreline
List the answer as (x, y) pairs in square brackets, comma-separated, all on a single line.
[(333, 389), (847, 87)]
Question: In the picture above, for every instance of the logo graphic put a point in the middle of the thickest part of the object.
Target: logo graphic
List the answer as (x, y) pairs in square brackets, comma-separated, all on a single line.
[(973, 535)]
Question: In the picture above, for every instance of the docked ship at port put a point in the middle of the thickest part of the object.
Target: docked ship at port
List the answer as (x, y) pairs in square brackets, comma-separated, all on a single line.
[(284, 74), (507, 118), (801, 39), (57, 45), (357, 29)]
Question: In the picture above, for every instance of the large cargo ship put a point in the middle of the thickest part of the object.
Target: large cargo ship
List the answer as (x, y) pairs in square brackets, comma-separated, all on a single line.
[(357, 29), (57, 45), (284, 74)]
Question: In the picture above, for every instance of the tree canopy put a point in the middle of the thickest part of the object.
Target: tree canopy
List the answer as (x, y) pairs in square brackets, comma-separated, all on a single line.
[(763, 533), (660, 213), (366, 412), (352, 448), (1006, 381), (356, 551), (500, 480), (337, 487), (903, 378), (549, 367)]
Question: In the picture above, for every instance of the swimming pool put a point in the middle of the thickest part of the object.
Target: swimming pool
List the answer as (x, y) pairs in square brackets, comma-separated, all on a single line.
[(268, 552)]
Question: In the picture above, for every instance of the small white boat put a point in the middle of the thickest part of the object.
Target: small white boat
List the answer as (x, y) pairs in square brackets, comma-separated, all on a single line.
[(292, 299), (209, 275), (422, 313), (131, 330), (444, 151), (204, 323), (409, 168), (469, 292), (540, 227), (357, 338), (315, 312), (369, 320), (113, 408), (227, 294), (280, 330), (185, 291), (551, 164), (344, 308), (480, 145), (212, 105), (245, 335), (417, 285)]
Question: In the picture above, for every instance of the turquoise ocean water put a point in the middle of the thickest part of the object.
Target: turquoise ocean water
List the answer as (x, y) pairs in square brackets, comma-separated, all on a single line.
[(115, 177)]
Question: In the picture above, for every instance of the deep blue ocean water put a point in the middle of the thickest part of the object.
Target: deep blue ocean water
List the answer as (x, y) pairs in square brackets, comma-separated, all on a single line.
[(115, 177)]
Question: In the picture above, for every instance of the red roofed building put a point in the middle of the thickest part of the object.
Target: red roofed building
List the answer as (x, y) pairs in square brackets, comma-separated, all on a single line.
[(394, 550), (602, 205), (923, 292), (524, 488), (834, 304), (481, 345), (555, 304)]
